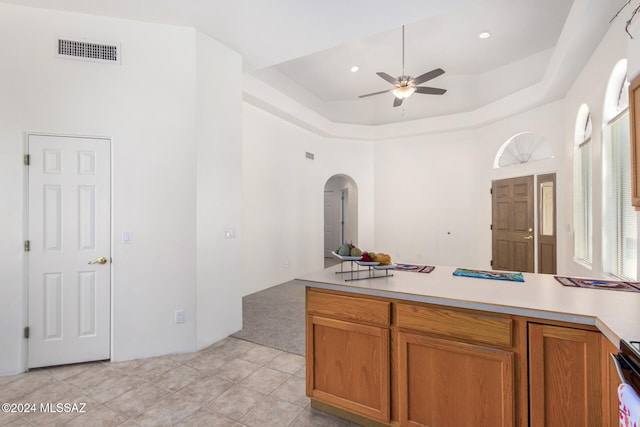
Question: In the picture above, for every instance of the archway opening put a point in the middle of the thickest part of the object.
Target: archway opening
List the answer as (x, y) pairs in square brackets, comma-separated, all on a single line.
[(340, 213)]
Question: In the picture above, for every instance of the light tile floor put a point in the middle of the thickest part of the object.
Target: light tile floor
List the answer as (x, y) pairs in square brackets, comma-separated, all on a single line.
[(232, 383)]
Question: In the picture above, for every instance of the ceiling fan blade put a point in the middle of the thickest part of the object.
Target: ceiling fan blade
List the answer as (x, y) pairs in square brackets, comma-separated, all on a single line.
[(428, 76), (388, 78), (430, 90), (375, 93), (397, 102)]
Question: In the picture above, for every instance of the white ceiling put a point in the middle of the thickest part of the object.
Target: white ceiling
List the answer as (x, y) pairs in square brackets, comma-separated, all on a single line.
[(305, 48)]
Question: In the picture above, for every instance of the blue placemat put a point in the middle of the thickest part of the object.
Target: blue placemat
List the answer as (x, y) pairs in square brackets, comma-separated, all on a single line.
[(495, 275)]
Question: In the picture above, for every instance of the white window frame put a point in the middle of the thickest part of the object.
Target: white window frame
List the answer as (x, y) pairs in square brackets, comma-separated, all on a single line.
[(619, 219), (583, 181)]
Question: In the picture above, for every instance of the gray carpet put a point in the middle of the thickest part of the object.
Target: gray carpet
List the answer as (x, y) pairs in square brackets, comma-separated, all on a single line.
[(274, 317)]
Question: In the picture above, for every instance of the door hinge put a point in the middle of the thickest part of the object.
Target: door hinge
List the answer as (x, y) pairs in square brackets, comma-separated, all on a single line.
[(491, 191), (490, 226), (491, 263), (27, 160), (26, 332), (27, 246)]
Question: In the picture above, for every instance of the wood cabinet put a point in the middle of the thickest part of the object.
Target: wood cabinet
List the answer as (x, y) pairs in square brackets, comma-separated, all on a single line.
[(347, 349), (381, 361), (634, 122), (565, 376), (446, 383), (454, 367)]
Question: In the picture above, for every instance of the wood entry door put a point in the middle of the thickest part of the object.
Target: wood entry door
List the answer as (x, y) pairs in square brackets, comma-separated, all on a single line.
[(512, 224)]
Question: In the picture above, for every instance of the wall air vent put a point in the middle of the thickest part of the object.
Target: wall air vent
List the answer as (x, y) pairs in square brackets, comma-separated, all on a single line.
[(89, 51), (309, 155)]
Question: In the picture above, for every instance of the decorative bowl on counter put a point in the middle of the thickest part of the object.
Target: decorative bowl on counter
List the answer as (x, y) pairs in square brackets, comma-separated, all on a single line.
[(345, 257), (369, 263)]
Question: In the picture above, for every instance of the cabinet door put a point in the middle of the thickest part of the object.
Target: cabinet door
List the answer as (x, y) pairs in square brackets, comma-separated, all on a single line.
[(348, 366), (445, 383), (564, 376)]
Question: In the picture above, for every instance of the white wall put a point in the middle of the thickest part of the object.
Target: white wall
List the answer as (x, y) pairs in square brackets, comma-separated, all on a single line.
[(219, 190), (283, 196), (427, 194), (148, 105)]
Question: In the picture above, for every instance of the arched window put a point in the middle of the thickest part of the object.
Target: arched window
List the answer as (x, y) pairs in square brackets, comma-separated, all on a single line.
[(582, 181), (521, 148), (619, 219)]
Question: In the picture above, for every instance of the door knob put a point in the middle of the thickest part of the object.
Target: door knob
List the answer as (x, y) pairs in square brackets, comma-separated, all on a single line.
[(528, 237), (101, 260)]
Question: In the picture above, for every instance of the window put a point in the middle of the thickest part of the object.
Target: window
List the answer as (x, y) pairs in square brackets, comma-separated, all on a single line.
[(619, 220), (582, 173), (524, 147)]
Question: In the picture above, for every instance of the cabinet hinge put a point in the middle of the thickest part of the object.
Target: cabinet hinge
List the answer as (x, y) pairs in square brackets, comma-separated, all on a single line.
[(27, 160), (26, 332), (27, 246)]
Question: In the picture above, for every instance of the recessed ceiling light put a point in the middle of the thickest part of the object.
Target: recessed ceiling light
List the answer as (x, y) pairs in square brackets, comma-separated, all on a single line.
[(354, 68), (484, 35)]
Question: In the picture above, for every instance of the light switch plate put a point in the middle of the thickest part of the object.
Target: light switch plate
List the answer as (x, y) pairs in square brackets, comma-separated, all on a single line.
[(127, 237), (179, 316)]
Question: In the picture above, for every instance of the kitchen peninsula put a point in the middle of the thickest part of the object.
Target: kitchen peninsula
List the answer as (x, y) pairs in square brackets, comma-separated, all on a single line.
[(421, 349)]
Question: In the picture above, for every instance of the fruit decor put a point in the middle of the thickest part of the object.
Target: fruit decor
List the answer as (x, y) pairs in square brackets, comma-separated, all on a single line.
[(349, 249), (383, 259), (345, 249)]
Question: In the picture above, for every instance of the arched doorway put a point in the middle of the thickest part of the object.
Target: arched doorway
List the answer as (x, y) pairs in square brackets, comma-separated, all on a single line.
[(340, 212)]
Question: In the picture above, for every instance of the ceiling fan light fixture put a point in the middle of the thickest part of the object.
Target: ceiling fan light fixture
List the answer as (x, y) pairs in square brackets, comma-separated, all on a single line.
[(406, 85), (403, 92)]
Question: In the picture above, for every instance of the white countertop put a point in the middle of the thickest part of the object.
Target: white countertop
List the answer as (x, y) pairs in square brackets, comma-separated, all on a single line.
[(615, 313)]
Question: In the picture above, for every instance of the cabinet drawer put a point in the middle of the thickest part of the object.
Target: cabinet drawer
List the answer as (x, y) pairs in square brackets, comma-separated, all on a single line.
[(456, 324), (349, 308)]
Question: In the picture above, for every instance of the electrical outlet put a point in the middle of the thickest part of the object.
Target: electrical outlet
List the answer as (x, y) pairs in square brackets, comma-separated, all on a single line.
[(179, 316)]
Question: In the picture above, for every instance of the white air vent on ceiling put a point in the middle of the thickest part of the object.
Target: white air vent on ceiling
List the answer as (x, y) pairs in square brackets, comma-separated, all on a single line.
[(89, 51)]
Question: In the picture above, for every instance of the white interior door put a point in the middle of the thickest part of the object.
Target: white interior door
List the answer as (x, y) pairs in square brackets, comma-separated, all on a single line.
[(69, 227), (332, 219)]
